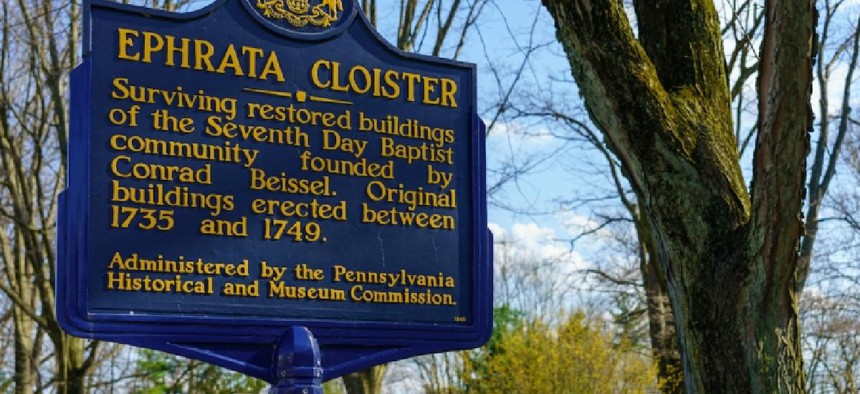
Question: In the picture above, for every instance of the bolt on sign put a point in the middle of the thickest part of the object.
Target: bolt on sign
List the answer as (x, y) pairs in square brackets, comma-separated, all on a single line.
[(263, 178)]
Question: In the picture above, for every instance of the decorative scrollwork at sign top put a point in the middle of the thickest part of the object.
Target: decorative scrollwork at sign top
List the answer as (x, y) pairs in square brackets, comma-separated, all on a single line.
[(299, 13)]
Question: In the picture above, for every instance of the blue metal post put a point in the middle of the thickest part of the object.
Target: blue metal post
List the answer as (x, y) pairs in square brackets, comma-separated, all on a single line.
[(297, 368)]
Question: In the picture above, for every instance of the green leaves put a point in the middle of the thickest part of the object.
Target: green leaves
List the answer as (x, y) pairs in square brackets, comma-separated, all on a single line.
[(577, 356), (160, 373)]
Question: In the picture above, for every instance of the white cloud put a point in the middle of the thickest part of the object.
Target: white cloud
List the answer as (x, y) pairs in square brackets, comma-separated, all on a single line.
[(516, 135), (527, 243)]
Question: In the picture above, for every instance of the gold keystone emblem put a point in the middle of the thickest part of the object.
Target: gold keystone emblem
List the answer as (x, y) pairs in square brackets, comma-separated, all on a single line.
[(300, 13)]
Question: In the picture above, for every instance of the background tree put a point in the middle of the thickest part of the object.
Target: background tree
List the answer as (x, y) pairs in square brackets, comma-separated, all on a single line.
[(573, 357), (160, 374), (39, 45), (831, 343)]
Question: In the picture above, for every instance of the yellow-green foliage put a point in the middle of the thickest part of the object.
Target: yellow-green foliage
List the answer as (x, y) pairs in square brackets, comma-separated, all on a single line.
[(575, 357)]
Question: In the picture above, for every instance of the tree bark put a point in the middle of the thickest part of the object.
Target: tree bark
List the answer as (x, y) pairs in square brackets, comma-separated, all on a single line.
[(728, 258)]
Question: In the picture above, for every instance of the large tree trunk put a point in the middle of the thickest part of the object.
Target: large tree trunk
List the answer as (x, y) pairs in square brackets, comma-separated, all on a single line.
[(728, 259)]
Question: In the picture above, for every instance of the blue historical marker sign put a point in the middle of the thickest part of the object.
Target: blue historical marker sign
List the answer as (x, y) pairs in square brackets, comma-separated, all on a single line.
[(258, 167)]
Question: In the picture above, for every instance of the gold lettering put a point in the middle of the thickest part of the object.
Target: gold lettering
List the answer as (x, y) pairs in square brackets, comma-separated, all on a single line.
[(252, 54), (430, 85), (203, 53), (172, 51), (384, 83), (125, 41), (231, 59), (152, 42), (315, 74)]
